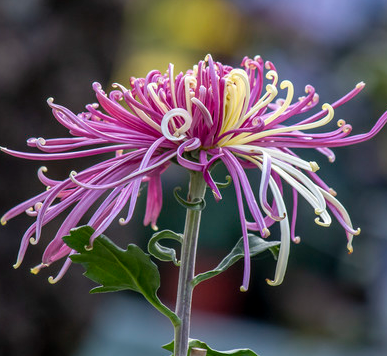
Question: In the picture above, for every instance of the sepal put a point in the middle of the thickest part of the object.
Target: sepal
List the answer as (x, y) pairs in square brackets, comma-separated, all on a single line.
[(197, 204), (161, 252), (225, 184)]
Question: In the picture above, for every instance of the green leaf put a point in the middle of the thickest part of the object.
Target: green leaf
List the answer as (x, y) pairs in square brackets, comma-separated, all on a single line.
[(211, 352), (117, 269), (161, 252), (257, 245), (197, 204)]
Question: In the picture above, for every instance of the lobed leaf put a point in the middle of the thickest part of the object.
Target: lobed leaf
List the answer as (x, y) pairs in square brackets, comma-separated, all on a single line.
[(117, 269)]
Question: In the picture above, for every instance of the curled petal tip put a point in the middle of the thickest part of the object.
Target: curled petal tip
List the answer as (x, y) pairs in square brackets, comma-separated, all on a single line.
[(321, 223), (31, 140), (35, 270), (30, 212), (347, 128), (3, 221), (360, 85), (279, 218), (332, 192), (154, 227), (308, 89), (341, 123), (3, 148), (122, 221), (178, 135), (265, 232), (271, 283), (350, 248), (17, 264), (314, 166), (33, 241), (216, 196), (318, 211), (243, 289), (51, 280), (88, 247), (118, 85), (41, 141), (297, 239), (358, 231), (50, 100), (72, 176), (43, 169), (327, 106), (331, 159), (96, 86)]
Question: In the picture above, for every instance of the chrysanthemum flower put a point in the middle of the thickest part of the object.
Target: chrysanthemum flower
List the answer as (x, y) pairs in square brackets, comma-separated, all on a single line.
[(211, 113)]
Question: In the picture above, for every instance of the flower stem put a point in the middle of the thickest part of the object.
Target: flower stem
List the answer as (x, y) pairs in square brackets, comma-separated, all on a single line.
[(197, 189)]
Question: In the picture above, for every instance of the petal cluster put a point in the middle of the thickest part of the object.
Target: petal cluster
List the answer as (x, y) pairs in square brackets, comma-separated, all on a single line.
[(211, 113)]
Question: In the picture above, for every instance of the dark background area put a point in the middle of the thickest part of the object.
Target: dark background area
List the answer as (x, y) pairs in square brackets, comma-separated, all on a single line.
[(58, 48)]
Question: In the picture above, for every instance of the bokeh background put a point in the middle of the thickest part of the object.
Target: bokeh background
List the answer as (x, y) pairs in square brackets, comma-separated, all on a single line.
[(329, 304)]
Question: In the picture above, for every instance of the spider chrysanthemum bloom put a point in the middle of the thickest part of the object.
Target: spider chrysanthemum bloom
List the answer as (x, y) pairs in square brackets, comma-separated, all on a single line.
[(211, 113)]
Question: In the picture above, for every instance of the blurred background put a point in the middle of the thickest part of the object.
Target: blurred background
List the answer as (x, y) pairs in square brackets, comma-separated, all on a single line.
[(329, 304)]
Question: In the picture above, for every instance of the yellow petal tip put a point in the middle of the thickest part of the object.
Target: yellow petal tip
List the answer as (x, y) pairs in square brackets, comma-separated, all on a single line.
[(35, 270), (318, 211), (360, 85), (88, 248), (265, 232), (270, 282), (51, 280), (319, 222), (314, 166), (332, 192)]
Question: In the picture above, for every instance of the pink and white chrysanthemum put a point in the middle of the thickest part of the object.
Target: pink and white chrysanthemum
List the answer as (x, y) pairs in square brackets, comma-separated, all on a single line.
[(211, 113)]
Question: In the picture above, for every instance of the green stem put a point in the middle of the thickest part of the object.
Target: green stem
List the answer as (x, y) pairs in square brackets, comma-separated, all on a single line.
[(197, 189)]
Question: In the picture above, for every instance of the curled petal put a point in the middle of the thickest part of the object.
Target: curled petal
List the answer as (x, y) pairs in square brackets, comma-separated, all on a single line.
[(179, 132), (187, 146)]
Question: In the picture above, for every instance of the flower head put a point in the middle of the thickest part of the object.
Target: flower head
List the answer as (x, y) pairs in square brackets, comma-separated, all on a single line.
[(211, 113)]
